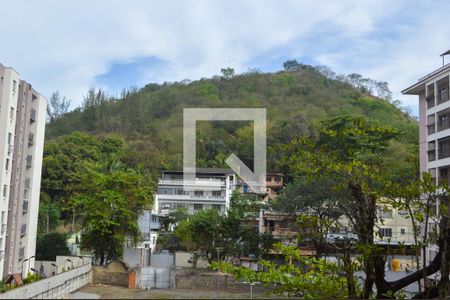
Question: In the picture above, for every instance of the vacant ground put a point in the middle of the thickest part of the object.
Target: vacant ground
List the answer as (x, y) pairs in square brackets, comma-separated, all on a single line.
[(114, 292)]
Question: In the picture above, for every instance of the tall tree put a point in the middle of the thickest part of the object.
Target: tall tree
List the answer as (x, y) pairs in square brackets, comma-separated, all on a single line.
[(110, 205), (57, 106)]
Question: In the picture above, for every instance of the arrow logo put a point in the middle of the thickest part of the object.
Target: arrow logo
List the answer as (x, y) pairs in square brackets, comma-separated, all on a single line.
[(255, 180)]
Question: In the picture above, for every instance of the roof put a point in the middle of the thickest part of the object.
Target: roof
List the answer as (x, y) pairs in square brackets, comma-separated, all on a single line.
[(445, 53), (203, 171), (416, 88)]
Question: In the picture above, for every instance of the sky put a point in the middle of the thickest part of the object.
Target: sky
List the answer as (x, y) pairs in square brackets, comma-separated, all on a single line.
[(71, 46)]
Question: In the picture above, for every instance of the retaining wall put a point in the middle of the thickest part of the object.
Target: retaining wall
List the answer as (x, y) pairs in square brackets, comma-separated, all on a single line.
[(54, 287)]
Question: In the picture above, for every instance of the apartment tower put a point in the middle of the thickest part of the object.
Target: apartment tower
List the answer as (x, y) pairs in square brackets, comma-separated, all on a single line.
[(434, 127), (22, 126)]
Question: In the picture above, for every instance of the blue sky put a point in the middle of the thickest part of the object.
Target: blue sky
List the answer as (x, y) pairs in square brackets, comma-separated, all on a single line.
[(72, 46)]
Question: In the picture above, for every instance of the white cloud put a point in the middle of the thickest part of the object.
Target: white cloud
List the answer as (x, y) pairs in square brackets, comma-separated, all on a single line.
[(65, 45)]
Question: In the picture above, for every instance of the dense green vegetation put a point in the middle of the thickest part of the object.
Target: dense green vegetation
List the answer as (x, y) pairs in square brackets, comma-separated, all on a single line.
[(150, 119), (110, 150)]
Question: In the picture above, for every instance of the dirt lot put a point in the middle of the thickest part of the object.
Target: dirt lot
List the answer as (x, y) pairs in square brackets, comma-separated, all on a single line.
[(114, 292)]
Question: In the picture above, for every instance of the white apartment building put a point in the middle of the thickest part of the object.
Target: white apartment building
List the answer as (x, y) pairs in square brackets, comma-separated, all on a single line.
[(22, 126), (434, 126), (212, 188), (149, 225)]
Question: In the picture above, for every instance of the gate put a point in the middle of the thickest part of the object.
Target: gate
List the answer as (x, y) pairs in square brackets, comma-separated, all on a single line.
[(155, 278)]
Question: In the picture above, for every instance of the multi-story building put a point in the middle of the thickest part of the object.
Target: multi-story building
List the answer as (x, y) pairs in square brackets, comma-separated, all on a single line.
[(149, 225), (22, 126), (434, 127), (212, 188)]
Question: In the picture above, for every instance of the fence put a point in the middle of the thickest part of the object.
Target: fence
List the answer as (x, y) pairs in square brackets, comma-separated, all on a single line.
[(55, 287)]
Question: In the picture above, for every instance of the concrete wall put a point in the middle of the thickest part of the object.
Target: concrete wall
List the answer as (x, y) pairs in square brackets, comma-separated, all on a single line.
[(186, 260), (162, 260), (137, 257), (55, 287), (184, 279)]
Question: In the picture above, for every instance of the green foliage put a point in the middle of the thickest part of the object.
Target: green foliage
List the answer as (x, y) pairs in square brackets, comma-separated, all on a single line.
[(111, 204), (50, 245), (150, 119), (313, 278), (235, 233), (31, 277)]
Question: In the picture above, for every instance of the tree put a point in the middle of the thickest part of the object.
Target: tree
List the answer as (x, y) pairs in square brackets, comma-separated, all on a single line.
[(227, 73), (303, 276), (57, 106), (201, 232), (51, 245), (110, 205), (350, 149), (49, 215), (291, 65)]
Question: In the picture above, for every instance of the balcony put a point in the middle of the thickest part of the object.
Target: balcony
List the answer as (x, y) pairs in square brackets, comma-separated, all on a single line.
[(29, 161), (32, 115), (200, 182), (3, 229), (431, 128), (25, 206), (442, 96), (430, 101), (431, 155), (23, 229), (443, 124), (444, 153), (30, 139)]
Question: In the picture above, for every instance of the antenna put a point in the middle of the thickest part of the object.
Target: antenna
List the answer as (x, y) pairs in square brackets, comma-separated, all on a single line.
[(443, 55)]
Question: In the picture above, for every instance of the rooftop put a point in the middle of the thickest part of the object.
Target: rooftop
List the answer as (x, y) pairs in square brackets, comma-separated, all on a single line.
[(418, 87)]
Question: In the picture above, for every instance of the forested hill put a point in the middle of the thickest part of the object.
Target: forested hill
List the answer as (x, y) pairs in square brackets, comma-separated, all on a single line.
[(297, 99)]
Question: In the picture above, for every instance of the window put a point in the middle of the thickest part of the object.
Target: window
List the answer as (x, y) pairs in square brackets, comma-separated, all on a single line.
[(217, 207), (217, 194), (14, 87), (384, 213), (7, 164), (198, 206), (385, 232), (198, 193), (9, 138), (277, 179), (268, 178), (5, 190), (402, 231), (11, 114)]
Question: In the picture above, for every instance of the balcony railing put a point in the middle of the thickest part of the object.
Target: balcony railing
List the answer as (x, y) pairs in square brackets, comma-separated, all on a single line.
[(3, 228), (442, 96), (443, 180), (30, 139), (431, 128), (431, 155), (201, 182), (23, 229), (29, 161), (25, 206), (33, 115), (430, 101), (443, 124), (443, 153)]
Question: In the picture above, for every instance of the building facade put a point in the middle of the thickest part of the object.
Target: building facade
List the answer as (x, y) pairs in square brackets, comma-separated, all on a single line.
[(434, 129), (22, 126), (212, 188)]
